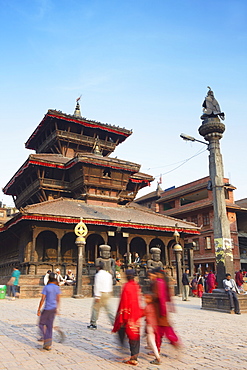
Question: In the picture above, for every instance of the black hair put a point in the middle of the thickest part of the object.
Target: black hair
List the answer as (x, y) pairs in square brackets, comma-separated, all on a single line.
[(101, 265), (52, 278)]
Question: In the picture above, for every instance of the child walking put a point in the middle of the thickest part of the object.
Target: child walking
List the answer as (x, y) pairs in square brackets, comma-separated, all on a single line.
[(151, 327), (51, 298)]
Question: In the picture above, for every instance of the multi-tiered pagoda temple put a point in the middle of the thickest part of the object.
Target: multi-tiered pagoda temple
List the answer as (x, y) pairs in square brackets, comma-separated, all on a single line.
[(72, 175)]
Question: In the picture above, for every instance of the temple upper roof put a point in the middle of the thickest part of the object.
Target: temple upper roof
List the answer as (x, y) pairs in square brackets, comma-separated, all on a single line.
[(104, 131)]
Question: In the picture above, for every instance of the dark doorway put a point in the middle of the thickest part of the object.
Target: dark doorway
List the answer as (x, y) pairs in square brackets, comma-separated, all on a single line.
[(138, 245), (46, 246), (92, 247), (69, 248), (159, 244)]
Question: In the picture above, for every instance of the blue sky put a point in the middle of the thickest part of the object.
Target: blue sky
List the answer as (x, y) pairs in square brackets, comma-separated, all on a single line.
[(141, 64)]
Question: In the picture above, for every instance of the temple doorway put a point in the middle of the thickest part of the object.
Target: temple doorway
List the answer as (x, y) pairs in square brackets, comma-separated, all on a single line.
[(159, 244), (69, 248), (92, 247), (138, 245), (46, 247)]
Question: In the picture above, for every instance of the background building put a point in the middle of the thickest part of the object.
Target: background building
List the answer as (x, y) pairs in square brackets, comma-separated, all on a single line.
[(193, 202)]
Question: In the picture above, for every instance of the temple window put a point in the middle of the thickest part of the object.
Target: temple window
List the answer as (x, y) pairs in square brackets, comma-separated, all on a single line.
[(106, 172)]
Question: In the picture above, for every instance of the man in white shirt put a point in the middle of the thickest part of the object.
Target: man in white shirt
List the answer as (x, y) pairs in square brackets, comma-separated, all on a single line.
[(231, 289), (102, 294)]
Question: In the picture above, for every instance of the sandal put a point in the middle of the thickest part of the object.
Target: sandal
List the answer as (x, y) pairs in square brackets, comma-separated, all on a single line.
[(155, 362), (47, 348), (131, 362)]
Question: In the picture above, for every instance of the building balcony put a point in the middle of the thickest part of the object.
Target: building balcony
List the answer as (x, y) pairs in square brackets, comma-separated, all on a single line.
[(37, 185), (77, 139)]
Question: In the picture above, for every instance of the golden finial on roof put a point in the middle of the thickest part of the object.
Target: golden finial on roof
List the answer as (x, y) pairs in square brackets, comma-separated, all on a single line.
[(77, 111)]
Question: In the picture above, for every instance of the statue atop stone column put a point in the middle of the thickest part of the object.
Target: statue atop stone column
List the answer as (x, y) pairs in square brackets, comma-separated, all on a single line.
[(211, 107), (108, 262), (155, 261)]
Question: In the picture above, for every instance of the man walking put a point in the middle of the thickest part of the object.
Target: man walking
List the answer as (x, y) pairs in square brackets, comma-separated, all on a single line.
[(102, 294), (231, 289), (186, 285), (14, 282)]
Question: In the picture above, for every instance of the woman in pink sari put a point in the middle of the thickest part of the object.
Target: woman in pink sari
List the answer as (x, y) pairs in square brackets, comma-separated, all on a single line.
[(161, 297), (211, 282)]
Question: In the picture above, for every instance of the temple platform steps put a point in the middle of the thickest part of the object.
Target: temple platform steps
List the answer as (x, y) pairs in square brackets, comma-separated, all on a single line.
[(31, 286)]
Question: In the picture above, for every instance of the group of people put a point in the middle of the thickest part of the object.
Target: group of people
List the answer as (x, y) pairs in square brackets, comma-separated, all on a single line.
[(208, 283), (127, 321), (68, 279), (199, 284)]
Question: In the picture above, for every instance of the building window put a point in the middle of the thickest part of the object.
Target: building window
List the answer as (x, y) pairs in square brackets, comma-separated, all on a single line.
[(205, 219), (196, 244), (226, 193), (194, 197), (208, 242), (194, 219), (168, 205), (106, 172)]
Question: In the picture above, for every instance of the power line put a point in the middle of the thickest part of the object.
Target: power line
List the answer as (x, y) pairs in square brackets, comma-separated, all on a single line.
[(183, 162), (172, 164)]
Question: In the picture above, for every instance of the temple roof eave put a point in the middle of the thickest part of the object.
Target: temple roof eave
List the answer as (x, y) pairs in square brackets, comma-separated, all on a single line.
[(79, 120), (127, 217)]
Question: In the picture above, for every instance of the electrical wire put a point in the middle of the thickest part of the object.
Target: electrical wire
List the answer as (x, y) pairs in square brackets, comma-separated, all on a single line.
[(181, 164)]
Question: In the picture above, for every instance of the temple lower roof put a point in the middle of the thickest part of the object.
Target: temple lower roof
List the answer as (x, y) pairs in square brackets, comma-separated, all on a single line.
[(130, 216)]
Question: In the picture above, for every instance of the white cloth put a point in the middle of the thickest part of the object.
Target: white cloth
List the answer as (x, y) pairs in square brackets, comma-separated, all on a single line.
[(230, 285), (46, 278), (102, 283)]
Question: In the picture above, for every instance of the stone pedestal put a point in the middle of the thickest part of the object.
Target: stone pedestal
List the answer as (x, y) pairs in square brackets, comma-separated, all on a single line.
[(219, 301)]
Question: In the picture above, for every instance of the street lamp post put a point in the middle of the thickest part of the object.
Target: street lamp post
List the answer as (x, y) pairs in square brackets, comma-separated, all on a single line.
[(212, 130), (80, 231), (178, 256)]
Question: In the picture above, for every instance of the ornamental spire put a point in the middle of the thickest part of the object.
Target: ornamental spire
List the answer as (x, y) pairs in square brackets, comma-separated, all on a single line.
[(77, 111)]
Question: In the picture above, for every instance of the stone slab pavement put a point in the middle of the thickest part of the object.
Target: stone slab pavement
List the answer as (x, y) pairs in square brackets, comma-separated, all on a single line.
[(211, 340)]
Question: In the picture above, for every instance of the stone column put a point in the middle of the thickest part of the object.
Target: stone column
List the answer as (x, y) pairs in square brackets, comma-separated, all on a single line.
[(32, 269), (59, 250), (81, 231), (189, 247), (178, 255), (212, 130)]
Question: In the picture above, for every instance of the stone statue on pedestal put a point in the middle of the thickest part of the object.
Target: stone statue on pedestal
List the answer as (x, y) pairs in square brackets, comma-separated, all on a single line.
[(211, 107), (155, 259), (108, 262)]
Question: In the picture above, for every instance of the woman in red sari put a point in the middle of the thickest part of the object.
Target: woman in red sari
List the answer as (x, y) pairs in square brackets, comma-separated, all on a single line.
[(128, 316), (211, 282), (200, 283)]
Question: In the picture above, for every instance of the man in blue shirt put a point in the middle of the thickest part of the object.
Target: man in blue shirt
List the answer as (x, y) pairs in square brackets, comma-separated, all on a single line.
[(51, 298)]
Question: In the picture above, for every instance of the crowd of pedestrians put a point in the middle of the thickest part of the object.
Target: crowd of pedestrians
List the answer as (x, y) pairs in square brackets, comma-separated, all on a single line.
[(154, 305)]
